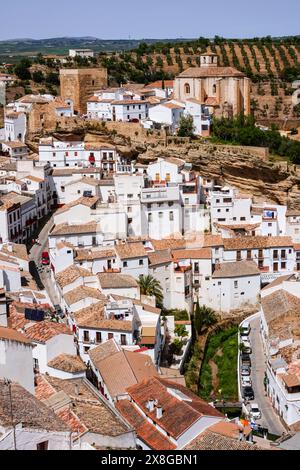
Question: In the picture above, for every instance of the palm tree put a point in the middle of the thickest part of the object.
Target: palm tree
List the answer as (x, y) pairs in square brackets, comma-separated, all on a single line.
[(151, 286), (203, 316)]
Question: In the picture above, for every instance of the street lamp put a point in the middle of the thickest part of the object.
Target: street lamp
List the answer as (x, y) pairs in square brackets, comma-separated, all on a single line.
[(7, 382)]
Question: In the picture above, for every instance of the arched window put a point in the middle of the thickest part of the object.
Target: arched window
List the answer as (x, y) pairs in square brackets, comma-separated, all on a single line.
[(187, 88), (214, 88)]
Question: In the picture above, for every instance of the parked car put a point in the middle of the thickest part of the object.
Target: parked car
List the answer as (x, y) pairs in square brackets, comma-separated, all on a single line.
[(246, 347), (245, 329), (248, 393), (245, 338), (45, 258), (245, 370), (245, 359), (246, 381), (255, 412)]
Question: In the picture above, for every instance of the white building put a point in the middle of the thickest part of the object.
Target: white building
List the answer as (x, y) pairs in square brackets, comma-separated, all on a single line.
[(50, 339), (233, 286), (168, 114), (15, 126), (279, 329), (16, 360), (88, 53), (170, 416), (200, 115), (161, 208)]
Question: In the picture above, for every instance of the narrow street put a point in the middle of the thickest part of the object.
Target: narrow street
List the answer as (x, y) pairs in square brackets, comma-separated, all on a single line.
[(35, 257), (269, 418)]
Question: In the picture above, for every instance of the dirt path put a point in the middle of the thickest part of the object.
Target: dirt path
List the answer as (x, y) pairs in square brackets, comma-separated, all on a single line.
[(214, 372)]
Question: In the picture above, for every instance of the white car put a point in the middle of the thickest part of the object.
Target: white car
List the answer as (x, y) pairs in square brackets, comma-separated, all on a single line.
[(255, 412), (245, 329), (245, 338), (246, 381), (247, 347)]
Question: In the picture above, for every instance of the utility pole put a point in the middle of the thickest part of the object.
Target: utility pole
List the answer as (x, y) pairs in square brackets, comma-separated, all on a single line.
[(8, 383)]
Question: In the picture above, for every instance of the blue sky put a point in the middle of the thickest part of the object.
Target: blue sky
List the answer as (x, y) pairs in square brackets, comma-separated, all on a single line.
[(116, 19)]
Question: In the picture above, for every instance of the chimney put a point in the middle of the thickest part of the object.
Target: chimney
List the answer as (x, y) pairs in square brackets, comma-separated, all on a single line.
[(159, 412), (150, 404)]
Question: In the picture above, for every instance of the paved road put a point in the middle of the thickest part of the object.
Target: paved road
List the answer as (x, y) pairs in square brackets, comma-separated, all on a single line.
[(35, 256), (269, 418)]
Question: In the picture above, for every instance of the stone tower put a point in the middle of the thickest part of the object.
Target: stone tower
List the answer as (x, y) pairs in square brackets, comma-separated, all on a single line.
[(77, 85)]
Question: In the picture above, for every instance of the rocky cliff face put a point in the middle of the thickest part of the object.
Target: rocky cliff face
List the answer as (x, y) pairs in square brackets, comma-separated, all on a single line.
[(239, 167), (248, 173)]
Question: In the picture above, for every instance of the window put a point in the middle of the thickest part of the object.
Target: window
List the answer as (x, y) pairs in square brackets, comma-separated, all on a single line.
[(141, 262), (275, 254), (187, 88), (98, 337), (283, 265), (110, 335), (238, 255), (196, 267), (150, 217), (170, 204), (86, 336), (168, 177), (62, 189), (275, 267), (75, 154), (160, 215), (125, 264), (283, 254), (249, 254), (157, 176), (130, 196), (42, 445), (171, 216), (123, 340), (243, 218), (86, 349), (214, 89), (129, 209), (236, 284)]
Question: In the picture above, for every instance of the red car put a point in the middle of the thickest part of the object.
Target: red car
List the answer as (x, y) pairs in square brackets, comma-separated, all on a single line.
[(45, 258)]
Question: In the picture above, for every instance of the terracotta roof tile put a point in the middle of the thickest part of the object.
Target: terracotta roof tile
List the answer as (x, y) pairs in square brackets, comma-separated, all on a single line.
[(243, 243), (42, 331), (145, 431), (67, 363)]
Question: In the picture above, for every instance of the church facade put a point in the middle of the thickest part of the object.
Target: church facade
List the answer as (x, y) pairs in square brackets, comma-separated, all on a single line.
[(224, 90)]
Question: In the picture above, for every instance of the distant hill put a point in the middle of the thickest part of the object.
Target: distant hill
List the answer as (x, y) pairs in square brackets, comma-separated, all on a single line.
[(62, 45)]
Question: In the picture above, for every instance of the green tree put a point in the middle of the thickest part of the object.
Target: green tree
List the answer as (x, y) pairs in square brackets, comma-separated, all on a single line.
[(186, 126), (22, 69), (151, 286), (38, 76), (180, 330)]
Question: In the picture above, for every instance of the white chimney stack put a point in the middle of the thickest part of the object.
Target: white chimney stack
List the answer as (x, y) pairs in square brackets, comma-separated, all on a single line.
[(159, 412)]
